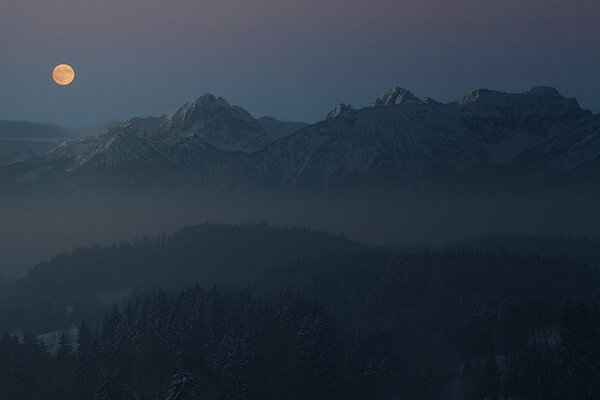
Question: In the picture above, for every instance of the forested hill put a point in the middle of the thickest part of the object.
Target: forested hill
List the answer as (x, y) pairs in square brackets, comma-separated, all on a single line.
[(581, 248), (356, 322), (196, 345), (80, 284), (208, 254), (211, 345), (211, 254)]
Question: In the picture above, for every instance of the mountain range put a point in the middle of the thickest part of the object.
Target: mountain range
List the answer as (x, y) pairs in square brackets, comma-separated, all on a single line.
[(396, 144)]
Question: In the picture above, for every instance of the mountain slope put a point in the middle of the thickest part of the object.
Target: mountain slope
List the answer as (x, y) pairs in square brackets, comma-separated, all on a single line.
[(377, 146), (225, 127), (276, 129), (400, 143), (190, 145)]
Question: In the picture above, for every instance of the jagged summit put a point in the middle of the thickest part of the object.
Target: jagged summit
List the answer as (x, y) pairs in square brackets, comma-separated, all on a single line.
[(191, 107), (544, 96), (204, 107), (341, 110), (486, 95), (545, 90), (396, 96), (540, 102), (207, 101), (479, 95), (552, 95)]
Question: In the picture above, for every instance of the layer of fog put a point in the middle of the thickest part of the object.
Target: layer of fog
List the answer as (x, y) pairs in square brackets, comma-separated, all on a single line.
[(33, 229)]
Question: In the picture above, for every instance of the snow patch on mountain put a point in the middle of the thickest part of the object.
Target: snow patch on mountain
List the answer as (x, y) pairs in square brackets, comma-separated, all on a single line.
[(396, 96), (341, 110)]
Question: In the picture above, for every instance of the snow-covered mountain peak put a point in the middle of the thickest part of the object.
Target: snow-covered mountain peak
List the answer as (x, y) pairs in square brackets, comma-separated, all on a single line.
[(545, 91), (551, 97), (543, 95), (545, 103), (400, 140), (396, 96), (193, 110), (210, 101), (480, 95), (341, 110)]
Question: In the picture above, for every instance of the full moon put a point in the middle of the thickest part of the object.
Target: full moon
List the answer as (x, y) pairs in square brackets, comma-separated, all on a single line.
[(63, 74)]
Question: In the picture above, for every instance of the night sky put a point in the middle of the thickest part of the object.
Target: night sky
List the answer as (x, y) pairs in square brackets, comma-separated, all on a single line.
[(292, 59)]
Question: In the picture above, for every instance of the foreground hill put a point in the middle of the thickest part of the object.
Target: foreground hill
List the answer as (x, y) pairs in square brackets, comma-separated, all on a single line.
[(355, 322)]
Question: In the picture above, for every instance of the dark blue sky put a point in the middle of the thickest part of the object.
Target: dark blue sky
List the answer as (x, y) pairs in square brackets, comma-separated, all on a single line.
[(293, 59)]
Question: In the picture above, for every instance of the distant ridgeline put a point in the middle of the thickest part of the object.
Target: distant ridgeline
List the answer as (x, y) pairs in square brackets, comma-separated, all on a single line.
[(306, 315), (398, 144)]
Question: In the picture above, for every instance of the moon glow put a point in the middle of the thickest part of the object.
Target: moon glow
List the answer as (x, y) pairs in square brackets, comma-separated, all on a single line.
[(63, 74)]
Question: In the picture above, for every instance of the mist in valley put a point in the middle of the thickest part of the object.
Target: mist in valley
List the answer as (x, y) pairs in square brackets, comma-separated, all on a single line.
[(35, 228)]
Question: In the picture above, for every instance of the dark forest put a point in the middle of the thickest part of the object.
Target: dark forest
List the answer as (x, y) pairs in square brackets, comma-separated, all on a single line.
[(323, 318)]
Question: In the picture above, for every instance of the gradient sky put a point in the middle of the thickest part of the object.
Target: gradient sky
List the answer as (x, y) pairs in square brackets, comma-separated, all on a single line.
[(293, 59)]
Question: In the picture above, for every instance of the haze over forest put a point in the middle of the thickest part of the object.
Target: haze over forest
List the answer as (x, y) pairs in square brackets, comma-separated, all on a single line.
[(395, 166)]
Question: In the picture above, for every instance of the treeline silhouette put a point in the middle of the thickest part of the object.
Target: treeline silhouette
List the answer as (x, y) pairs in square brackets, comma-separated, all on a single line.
[(211, 345), (194, 345), (72, 286), (447, 316), (323, 318), (580, 248)]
